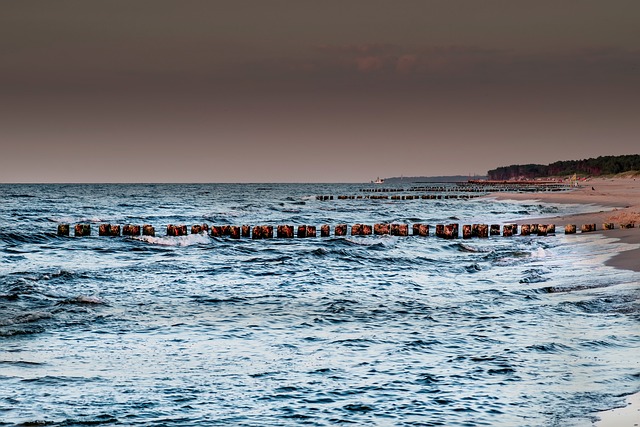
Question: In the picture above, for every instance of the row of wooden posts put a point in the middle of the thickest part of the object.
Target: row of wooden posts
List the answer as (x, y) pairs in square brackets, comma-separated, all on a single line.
[(447, 231), (401, 197)]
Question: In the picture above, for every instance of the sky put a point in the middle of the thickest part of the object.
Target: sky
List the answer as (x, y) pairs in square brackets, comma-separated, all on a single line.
[(311, 91)]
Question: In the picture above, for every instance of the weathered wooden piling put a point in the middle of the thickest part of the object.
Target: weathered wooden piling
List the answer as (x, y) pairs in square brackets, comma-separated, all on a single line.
[(534, 229), (399, 229), (380, 229), (423, 230), (131, 230), (542, 230), (285, 232), (341, 230), (570, 229), (551, 229), (481, 231), (234, 232), (451, 231), (494, 230), (306, 231), (196, 229), (628, 225), (508, 230), (82, 230), (311, 231), (246, 231), (366, 230), (262, 232), (216, 231), (174, 230), (525, 230), (147, 230), (466, 231), (439, 230), (63, 230), (608, 226), (115, 231), (325, 230), (587, 228), (104, 230), (356, 229), (225, 230)]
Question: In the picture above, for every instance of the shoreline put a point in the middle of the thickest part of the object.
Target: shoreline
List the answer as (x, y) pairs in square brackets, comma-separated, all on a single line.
[(626, 416), (614, 200)]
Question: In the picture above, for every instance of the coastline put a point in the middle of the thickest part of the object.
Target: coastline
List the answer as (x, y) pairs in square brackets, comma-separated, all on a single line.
[(613, 200), (626, 416)]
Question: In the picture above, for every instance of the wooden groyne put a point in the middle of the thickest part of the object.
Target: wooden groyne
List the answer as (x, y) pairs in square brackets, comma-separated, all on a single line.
[(289, 231)]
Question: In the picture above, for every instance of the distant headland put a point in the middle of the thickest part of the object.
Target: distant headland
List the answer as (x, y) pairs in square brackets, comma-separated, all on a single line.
[(603, 165), (419, 179)]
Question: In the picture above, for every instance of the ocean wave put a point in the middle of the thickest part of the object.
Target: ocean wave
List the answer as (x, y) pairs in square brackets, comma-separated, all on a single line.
[(189, 240)]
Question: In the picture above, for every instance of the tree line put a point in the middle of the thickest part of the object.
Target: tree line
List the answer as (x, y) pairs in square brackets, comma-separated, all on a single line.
[(603, 165)]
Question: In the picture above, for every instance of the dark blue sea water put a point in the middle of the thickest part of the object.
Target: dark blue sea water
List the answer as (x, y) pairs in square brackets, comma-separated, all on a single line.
[(385, 331)]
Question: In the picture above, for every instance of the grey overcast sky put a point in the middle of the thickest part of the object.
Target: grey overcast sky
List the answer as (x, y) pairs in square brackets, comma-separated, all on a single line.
[(311, 91)]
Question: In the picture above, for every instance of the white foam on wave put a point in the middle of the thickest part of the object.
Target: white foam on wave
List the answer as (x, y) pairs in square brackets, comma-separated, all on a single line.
[(539, 253), (190, 240)]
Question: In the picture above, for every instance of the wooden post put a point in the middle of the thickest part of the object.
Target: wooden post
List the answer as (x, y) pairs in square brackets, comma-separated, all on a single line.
[(439, 230), (148, 230), (356, 229), (608, 226), (302, 231), (341, 230), (507, 230), (131, 230), (466, 231), (570, 229), (63, 230), (104, 230), (285, 232), (380, 229), (542, 230), (551, 229), (235, 232), (246, 231), (365, 230), (451, 231), (587, 228), (115, 231), (196, 229), (82, 230), (325, 230), (216, 231)]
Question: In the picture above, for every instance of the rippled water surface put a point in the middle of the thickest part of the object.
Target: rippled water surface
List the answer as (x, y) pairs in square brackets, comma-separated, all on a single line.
[(378, 330)]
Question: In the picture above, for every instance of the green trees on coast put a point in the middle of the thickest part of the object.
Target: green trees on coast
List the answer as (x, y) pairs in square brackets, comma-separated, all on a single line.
[(603, 165)]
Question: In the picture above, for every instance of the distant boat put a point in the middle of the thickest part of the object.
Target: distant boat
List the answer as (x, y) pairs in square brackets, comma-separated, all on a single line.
[(378, 181)]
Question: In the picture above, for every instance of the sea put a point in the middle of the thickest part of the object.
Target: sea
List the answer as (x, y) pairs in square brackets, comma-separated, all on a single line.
[(363, 330)]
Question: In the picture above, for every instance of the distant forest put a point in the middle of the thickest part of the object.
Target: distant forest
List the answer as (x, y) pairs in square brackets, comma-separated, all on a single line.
[(604, 165)]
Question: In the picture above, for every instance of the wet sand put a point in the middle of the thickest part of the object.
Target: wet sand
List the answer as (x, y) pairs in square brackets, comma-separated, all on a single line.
[(614, 200), (628, 416)]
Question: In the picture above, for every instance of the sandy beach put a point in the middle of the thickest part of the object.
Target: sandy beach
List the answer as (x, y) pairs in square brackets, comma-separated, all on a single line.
[(614, 200)]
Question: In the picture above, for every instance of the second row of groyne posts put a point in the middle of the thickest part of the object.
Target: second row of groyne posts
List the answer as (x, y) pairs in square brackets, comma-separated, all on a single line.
[(446, 231)]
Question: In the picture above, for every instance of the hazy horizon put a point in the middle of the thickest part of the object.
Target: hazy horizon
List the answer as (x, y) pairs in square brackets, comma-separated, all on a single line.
[(250, 91)]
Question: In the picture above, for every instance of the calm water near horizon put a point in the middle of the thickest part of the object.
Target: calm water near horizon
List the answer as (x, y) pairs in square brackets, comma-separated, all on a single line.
[(380, 330)]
